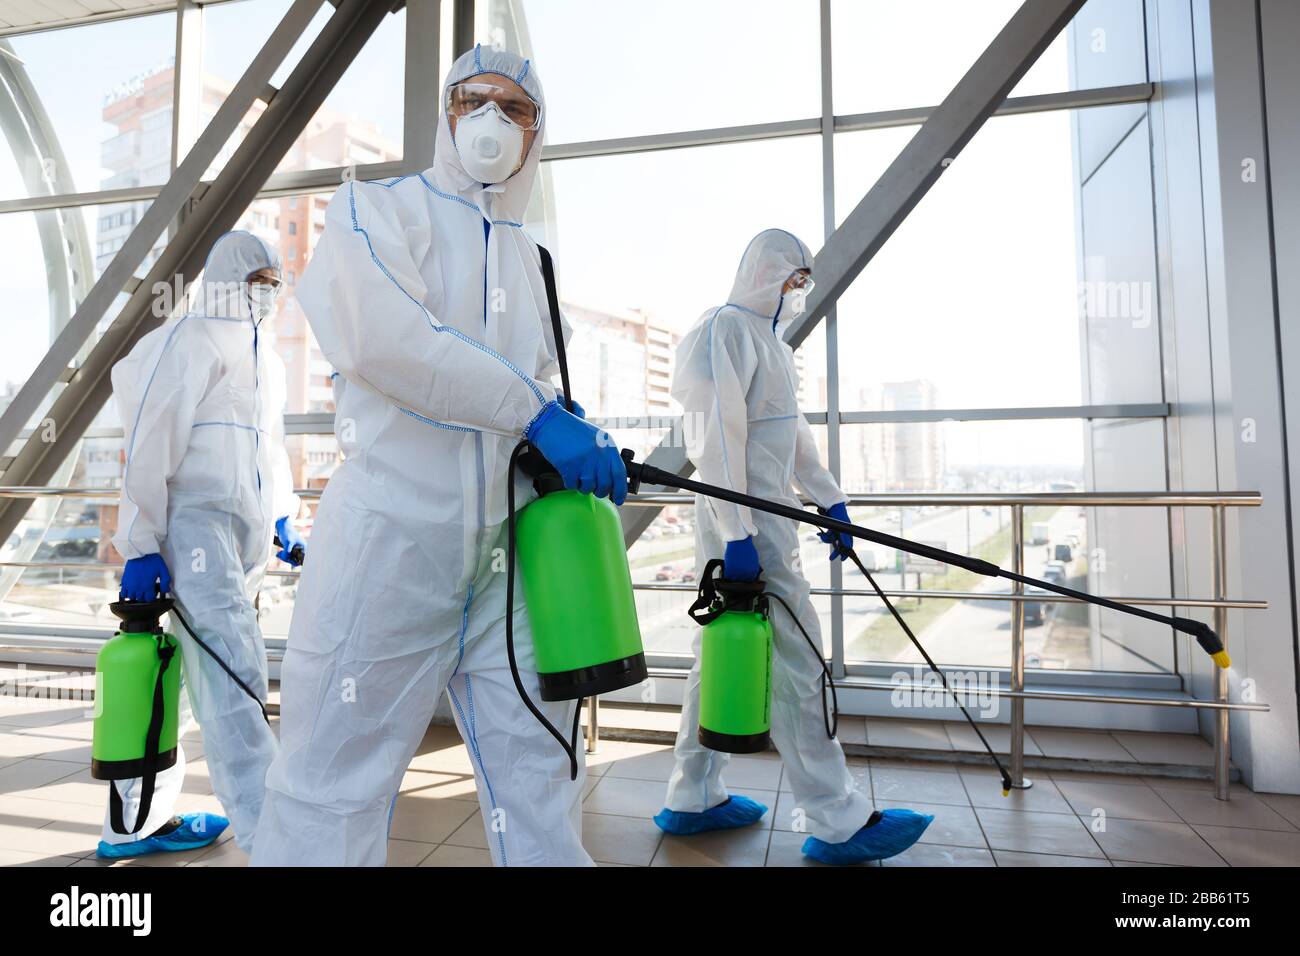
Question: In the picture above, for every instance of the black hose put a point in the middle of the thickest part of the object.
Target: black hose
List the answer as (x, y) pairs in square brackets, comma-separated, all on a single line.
[(222, 664), (570, 747), (853, 556), (831, 714)]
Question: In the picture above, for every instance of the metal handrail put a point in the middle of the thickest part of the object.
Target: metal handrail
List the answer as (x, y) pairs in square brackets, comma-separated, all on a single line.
[(1095, 499), (1032, 597), (1103, 499), (1218, 501), (97, 566), (992, 596)]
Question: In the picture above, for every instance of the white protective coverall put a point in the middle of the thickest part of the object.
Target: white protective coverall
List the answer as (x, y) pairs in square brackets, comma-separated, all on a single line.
[(736, 378), (427, 296), (202, 403)]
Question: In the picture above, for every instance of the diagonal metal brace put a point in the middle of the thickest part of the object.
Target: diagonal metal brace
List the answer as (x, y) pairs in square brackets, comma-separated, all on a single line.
[(169, 203), (267, 143)]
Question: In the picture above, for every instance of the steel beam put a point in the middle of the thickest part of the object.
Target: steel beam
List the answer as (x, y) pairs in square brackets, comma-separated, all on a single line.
[(557, 152), (187, 80), (848, 123), (423, 82), (462, 27), (223, 203), (909, 177), (170, 202), (832, 329)]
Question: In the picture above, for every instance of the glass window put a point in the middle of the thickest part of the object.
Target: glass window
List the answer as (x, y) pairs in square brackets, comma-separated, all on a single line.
[(1000, 456), (889, 55), (977, 292), (361, 119), (614, 68), (53, 258), (646, 243), (97, 101)]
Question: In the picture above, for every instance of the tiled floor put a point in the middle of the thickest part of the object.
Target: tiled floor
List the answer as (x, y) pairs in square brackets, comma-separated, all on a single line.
[(51, 809)]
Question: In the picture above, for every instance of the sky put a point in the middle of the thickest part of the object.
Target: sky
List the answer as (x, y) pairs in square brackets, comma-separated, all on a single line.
[(976, 291)]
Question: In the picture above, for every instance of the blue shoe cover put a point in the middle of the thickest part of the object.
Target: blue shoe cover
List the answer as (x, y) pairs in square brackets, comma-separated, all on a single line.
[(892, 833), (735, 811), (196, 830)]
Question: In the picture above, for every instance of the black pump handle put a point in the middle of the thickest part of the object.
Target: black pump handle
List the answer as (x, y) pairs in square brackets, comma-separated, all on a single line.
[(296, 552), (718, 594)]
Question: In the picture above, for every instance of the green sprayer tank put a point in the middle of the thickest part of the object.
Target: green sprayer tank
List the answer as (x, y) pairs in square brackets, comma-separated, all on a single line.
[(578, 589), (735, 664), (137, 689)]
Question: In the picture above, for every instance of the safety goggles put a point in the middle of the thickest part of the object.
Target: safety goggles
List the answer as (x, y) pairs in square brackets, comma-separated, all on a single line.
[(268, 278), (469, 97), (801, 279)]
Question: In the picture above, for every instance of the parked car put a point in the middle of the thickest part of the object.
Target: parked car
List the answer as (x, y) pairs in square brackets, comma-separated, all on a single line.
[(666, 573), (688, 577)]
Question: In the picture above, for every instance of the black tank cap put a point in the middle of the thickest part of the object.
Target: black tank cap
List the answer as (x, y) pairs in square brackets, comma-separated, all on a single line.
[(141, 617)]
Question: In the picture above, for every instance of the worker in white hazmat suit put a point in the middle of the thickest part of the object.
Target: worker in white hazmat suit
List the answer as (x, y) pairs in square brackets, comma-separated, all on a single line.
[(736, 377), (427, 296), (206, 488)]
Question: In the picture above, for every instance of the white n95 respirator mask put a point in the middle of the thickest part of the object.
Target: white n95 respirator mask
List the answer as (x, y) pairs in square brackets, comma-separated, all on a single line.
[(797, 301), (490, 146), (261, 300)]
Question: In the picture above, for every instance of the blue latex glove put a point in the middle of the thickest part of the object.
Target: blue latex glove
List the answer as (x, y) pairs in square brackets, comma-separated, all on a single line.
[(740, 562), (289, 539), (839, 512), (144, 578), (576, 410), (584, 455)]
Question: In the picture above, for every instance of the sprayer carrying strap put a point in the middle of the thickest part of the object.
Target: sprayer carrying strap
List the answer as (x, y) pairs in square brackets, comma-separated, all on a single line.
[(152, 741), (557, 325), (717, 596)]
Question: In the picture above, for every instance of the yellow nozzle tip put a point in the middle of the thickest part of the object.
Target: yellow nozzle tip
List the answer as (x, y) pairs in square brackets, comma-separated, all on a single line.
[(1222, 659), (1006, 793)]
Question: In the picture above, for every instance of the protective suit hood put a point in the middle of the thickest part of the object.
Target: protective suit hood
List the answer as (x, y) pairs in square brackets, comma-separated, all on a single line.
[(769, 260), (507, 199), (233, 258)]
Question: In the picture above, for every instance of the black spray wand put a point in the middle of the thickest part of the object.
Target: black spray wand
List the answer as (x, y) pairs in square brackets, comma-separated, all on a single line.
[(639, 472)]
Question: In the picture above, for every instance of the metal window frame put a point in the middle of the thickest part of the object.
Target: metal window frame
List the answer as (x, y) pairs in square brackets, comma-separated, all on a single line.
[(423, 82), (288, 111), (418, 106)]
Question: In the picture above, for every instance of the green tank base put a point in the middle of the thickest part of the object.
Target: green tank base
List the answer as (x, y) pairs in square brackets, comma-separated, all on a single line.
[(590, 681), (129, 769), (734, 743)]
